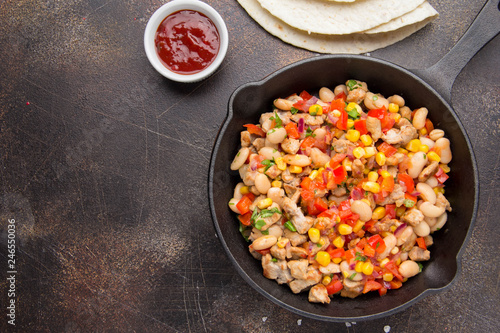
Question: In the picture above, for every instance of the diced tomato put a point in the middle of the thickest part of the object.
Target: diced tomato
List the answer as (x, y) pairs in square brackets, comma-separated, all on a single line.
[(421, 243), (407, 181), (342, 122), (334, 252), (369, 251), (391, 267), (377, 113), (307, 195), (307, 143), (264, 251), (334, 287), (371, 285), (441, 176), (336, 160), (387, 149), (245, 218), (413, 198), (395, 284), (331, 214), (311, 208), (292, 130), (377, 243), (382, 291), (429, 126), (254, 129), (305, 95), (387, 122), (360, 125), (342, 95), (339, 174), (301, 105), (387, 185), (320, 205), (245, 202), (390, 210), (351, 254), (306, 183), (361, 244), (337, 104)]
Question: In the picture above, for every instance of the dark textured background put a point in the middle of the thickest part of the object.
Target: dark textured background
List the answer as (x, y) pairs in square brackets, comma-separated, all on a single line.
[(104, 166)]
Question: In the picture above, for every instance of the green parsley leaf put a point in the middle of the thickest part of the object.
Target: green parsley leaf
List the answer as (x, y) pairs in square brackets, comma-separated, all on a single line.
[(264, 232), (354, 114), (268, 164), (274, 260), (352, 84), (309, 132), (289, 225), (259, 224), (352, 276), (294, 110), (277, 119), (360, 257), (244, 231), (269, 212), (420, 267)]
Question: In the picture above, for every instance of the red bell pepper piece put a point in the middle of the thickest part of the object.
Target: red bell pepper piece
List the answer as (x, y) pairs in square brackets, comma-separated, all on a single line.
[(339, 174), (371, 285), (407, 181), (360, 126), (245, 218), (254, 129), (292, 130), (334, 287), (387, 149), (342, 122), (245, 202), (377, 243)]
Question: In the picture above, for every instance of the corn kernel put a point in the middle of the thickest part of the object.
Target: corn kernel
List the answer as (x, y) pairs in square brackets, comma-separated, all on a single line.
[(276, 183), (346, 274), (366, 171), (413, 145), (321, 242), (366, 139), (385, 173), (424, 148), (282, 241), (372, 176), (393, 108), (357, 227), (347, 164), (404, 280), (345, 229), (352, 135), (314, 235), (336, 113), (392, 228), (378, 213), (320, 170), (323, 258), (315, 110), (358, 152), (339, 133), (398, 261), (433, 156), (367, 268), (423, 131), (402, 151), (280, 163), (366, 201), (410, 155), (371, 186), (337, 260), (400, 211), (388, 277), (261, 170), (384, 233), (384, 262), (352, 106), (445, 168), (314, 174), (338, 242), (380, 158), (350, 123), (396, 117), (295, 169), (370, 151), (395, 250), (359, 266), (326, 280), (244, 190), (438, 190), (264, 203)]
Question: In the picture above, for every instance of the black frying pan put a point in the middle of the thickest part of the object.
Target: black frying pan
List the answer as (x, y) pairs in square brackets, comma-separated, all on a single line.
[(250, 100)]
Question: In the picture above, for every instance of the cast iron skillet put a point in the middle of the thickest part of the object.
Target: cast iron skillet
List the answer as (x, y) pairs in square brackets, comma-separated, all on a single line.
[(250, 100)]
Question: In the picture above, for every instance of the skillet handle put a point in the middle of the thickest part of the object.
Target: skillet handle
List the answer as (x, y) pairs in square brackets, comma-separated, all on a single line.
[(442, 74)]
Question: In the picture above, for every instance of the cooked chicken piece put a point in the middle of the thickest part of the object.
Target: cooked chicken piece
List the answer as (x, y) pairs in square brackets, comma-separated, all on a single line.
[(341, 146), (374, 126), (245, 138), (385, 224), (259, 143), (295, 238), (395, 159), (273, 172), (291, 146), (331, 268), (296, 216), (410, 242), (351, 288), (298, 268), (402, 122), (428, 171), (255, 254), (356, 95), (296, 253), (308, 119), (286, 176), (324, 223), (271, 220), (408, 133), (319, 294), (249, 178), (315, 249), (358, 168), (428, 240), (419, 254), (441, 201), (278, 252), (397, 196), (339, 191), (313, 277), (276, 270), (413, 217), (290, 190), (393, 137)]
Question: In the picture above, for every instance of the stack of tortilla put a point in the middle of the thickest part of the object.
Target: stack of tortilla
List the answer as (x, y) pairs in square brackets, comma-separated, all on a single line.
[(341, 26)]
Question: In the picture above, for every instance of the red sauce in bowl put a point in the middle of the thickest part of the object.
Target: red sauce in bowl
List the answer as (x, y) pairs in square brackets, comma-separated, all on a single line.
[(187, 42)]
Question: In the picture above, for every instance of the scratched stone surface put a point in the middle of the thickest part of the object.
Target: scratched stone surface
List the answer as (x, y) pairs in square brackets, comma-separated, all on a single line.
[(104, 167)]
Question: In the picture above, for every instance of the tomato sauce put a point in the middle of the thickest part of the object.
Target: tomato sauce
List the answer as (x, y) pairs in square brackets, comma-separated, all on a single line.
[(187, 42)]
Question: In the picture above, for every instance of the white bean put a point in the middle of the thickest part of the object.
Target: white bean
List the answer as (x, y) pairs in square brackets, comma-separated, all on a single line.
[(344, 268), (276, 135), (405, 112), (426, 192), (237, 194), (326, 95), (297, 160), (408, 268), (232, 204), (432, 181), (264, 242), (318, 158), (373, 101), (441, 221), (269, 153), (270, 144), (436, 134), (417, 163), (422, 229), (431, 221), (240, 158), (419, 118), (426, 141), (396, 99), (443, 146), (431, 210), (405, 235), (341, 88), (262, 183), (319, 134), (362, 209), (283, 104), (277, 195), (390, 242)]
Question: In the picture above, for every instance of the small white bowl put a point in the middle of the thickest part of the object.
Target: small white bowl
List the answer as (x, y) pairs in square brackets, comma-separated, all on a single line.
[(174, 6)]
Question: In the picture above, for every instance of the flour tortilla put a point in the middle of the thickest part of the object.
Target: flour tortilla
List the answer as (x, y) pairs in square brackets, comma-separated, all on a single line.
[(356, 43), (333, 18)]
